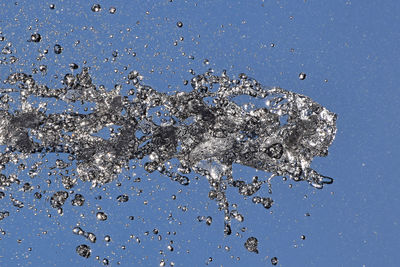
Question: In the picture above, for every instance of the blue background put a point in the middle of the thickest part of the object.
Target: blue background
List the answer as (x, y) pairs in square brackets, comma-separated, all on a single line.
[(350, 53)]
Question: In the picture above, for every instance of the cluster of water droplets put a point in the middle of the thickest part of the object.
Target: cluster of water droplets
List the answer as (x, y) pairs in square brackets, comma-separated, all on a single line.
[(222, 121)]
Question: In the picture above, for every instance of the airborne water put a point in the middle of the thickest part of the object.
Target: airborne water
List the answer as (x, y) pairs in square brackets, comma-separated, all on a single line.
[(83, 133), (204, 131)]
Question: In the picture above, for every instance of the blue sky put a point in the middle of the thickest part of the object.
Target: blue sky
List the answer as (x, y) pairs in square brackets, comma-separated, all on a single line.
[(349, 51)]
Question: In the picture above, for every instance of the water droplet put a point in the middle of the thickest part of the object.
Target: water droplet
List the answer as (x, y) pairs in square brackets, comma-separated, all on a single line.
[(43, 68), (73, 66), (251, 244), (179, 24), (36, 37), (112, 10), (302, 76), (101, 216), (96, 8), (274, 261), (58, 49), (58, 199), (79, 200), (78, 231), (123, 198), (4, 214), (83, 251), (91, 237)]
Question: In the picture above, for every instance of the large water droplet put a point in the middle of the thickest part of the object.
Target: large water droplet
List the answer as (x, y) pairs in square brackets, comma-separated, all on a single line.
[(83, 251), (251, 244)]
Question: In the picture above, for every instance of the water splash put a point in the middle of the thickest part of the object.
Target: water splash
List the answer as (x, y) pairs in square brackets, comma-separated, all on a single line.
[(219, 123)]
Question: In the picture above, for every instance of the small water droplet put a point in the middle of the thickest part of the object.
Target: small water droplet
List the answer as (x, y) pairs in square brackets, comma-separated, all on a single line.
[(112, 10), (36, 37), (274, 261), (302, 76), (209, 220), (123, 198), (58, 49), (96, 8)]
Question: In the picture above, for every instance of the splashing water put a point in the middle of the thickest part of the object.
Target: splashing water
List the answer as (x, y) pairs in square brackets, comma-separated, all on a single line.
[(221, 122)]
